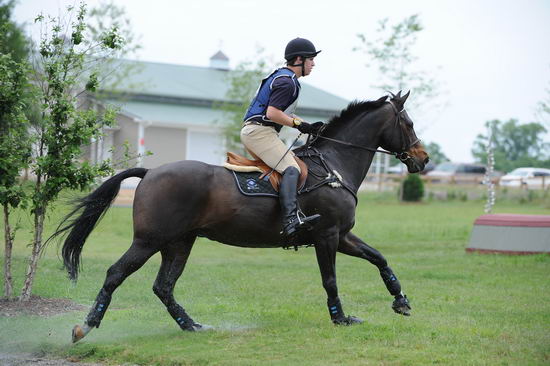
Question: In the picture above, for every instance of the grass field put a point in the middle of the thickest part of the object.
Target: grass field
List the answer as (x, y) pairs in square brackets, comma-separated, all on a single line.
[(267, 306)]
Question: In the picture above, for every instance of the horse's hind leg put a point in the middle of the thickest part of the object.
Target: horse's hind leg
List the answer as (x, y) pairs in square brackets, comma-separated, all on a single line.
[(352, 245), (130, 262), (174, 258)]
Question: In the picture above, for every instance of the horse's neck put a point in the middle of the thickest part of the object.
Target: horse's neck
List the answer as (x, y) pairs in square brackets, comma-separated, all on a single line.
[(352, 163)]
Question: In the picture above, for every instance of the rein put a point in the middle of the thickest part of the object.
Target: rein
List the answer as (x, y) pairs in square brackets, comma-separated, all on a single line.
[(332, 176), (403, 156), (353, 145)]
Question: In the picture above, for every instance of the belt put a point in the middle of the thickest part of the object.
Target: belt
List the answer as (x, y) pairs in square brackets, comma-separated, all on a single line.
[(266, 124), (277, 127), (253, 123)]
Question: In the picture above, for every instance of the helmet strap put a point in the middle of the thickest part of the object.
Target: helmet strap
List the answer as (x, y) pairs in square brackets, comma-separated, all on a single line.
[(303, 64)]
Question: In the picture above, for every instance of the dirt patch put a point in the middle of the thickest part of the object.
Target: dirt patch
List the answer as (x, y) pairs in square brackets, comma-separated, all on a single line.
[(28, 359), (43, 307), (38, 306)]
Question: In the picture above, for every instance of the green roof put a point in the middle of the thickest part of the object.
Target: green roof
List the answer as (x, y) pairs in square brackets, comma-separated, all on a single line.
[(206, 83), (168, 113), (179, 114)]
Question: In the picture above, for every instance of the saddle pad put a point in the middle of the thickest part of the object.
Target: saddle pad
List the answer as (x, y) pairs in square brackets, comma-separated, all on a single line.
[(250, 184)]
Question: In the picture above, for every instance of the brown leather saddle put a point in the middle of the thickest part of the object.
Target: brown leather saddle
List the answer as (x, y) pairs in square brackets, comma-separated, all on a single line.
[(239, 163)]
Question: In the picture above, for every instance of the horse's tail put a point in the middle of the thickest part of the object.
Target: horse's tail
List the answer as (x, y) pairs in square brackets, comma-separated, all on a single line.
[(91, 209)]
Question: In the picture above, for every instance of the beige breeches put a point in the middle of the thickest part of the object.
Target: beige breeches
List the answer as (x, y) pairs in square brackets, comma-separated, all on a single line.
[(264, 143)]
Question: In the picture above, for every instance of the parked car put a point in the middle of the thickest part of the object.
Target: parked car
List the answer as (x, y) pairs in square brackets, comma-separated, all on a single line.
[(459, 173), (527, 177), (401, 169)]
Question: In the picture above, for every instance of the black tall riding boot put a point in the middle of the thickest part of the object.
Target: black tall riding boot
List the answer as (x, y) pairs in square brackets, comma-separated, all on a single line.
[(292, 222)]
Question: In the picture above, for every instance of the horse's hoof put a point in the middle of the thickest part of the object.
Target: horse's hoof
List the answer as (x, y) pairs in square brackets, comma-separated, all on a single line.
[(202, 327), (402, 306), (196, 327), (354, 320), (347, 320), (78, 333)]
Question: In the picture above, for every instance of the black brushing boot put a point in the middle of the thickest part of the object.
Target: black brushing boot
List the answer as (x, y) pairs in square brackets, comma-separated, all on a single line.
[(292, 222)]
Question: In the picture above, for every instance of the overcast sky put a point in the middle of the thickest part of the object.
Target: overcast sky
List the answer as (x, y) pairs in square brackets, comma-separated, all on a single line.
[(494, 55)]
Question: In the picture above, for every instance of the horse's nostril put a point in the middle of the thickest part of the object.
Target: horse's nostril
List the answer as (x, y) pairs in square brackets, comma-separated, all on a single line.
[(426, 161)]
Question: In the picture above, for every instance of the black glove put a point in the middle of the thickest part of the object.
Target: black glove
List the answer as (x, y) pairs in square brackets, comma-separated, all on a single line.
[(310, 128)]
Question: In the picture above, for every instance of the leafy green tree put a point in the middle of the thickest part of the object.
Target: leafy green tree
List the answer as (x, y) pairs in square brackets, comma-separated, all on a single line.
[(243, 82), (14, 137), (114, 68), (13, 37), (437, 155), (391, 53), (514, 145), (543, 109), (64, 60), (15, 149)]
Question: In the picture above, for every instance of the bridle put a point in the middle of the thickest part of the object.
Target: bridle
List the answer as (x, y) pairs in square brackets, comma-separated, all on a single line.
[(403, 156)]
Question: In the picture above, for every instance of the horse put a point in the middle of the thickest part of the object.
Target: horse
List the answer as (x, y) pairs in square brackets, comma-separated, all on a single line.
[(178, 202)]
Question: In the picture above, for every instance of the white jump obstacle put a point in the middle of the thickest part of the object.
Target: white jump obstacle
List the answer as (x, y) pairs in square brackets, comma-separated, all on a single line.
[(510, 234)]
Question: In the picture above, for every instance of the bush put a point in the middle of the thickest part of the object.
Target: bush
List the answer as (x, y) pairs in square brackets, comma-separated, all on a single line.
[(413, 188)]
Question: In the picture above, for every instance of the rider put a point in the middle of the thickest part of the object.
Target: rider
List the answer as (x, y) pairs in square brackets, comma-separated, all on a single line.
[(272, 108)]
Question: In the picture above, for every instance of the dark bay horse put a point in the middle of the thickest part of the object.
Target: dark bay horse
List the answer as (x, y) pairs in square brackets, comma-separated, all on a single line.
[(178, 202)]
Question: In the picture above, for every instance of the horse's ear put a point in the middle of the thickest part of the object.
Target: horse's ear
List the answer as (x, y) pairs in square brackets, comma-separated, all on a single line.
[(404, 98), (400, 100)]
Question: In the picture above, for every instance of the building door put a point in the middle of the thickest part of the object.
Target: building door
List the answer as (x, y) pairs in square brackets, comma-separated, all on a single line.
[(205, 146)]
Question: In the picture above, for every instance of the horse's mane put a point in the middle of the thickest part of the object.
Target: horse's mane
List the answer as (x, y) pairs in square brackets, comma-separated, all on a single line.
[(353, 109)]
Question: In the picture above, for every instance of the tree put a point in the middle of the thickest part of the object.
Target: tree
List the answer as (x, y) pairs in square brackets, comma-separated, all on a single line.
[(543, 109), (14, 138), (391, 53), (14, 149), (64, 59), (13, 38), (514, 145), (437, 155), (114, 69), (243, 82)]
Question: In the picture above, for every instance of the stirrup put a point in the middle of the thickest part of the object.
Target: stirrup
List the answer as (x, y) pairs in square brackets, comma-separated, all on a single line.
[(308, 221), (301, 222)]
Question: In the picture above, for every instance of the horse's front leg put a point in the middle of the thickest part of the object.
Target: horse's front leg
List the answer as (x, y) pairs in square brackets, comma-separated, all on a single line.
[(325, 249), (352, 245)]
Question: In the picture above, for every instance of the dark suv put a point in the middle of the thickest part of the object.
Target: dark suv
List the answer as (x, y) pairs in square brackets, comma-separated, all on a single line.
[(459, 173)]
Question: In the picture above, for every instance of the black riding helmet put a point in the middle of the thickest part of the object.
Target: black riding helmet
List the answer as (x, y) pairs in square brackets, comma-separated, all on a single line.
[(300, 47)]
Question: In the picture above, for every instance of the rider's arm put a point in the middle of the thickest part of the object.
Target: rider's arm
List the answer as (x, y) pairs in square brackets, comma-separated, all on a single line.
[(281, 97), (278, 116)]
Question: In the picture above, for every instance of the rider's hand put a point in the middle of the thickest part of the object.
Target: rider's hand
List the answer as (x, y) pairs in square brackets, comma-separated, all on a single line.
[(310, 128)]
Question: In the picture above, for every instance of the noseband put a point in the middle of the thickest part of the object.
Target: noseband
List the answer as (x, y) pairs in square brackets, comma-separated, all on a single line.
[(402, 155)]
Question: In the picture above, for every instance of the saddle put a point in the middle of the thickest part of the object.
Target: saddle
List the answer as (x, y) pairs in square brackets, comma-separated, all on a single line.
[(241, 164)]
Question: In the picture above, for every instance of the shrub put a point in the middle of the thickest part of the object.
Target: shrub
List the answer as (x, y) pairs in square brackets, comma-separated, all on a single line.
[(412, 188)]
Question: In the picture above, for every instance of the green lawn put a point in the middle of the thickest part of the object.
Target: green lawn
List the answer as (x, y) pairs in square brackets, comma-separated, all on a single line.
[(268, 306)]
